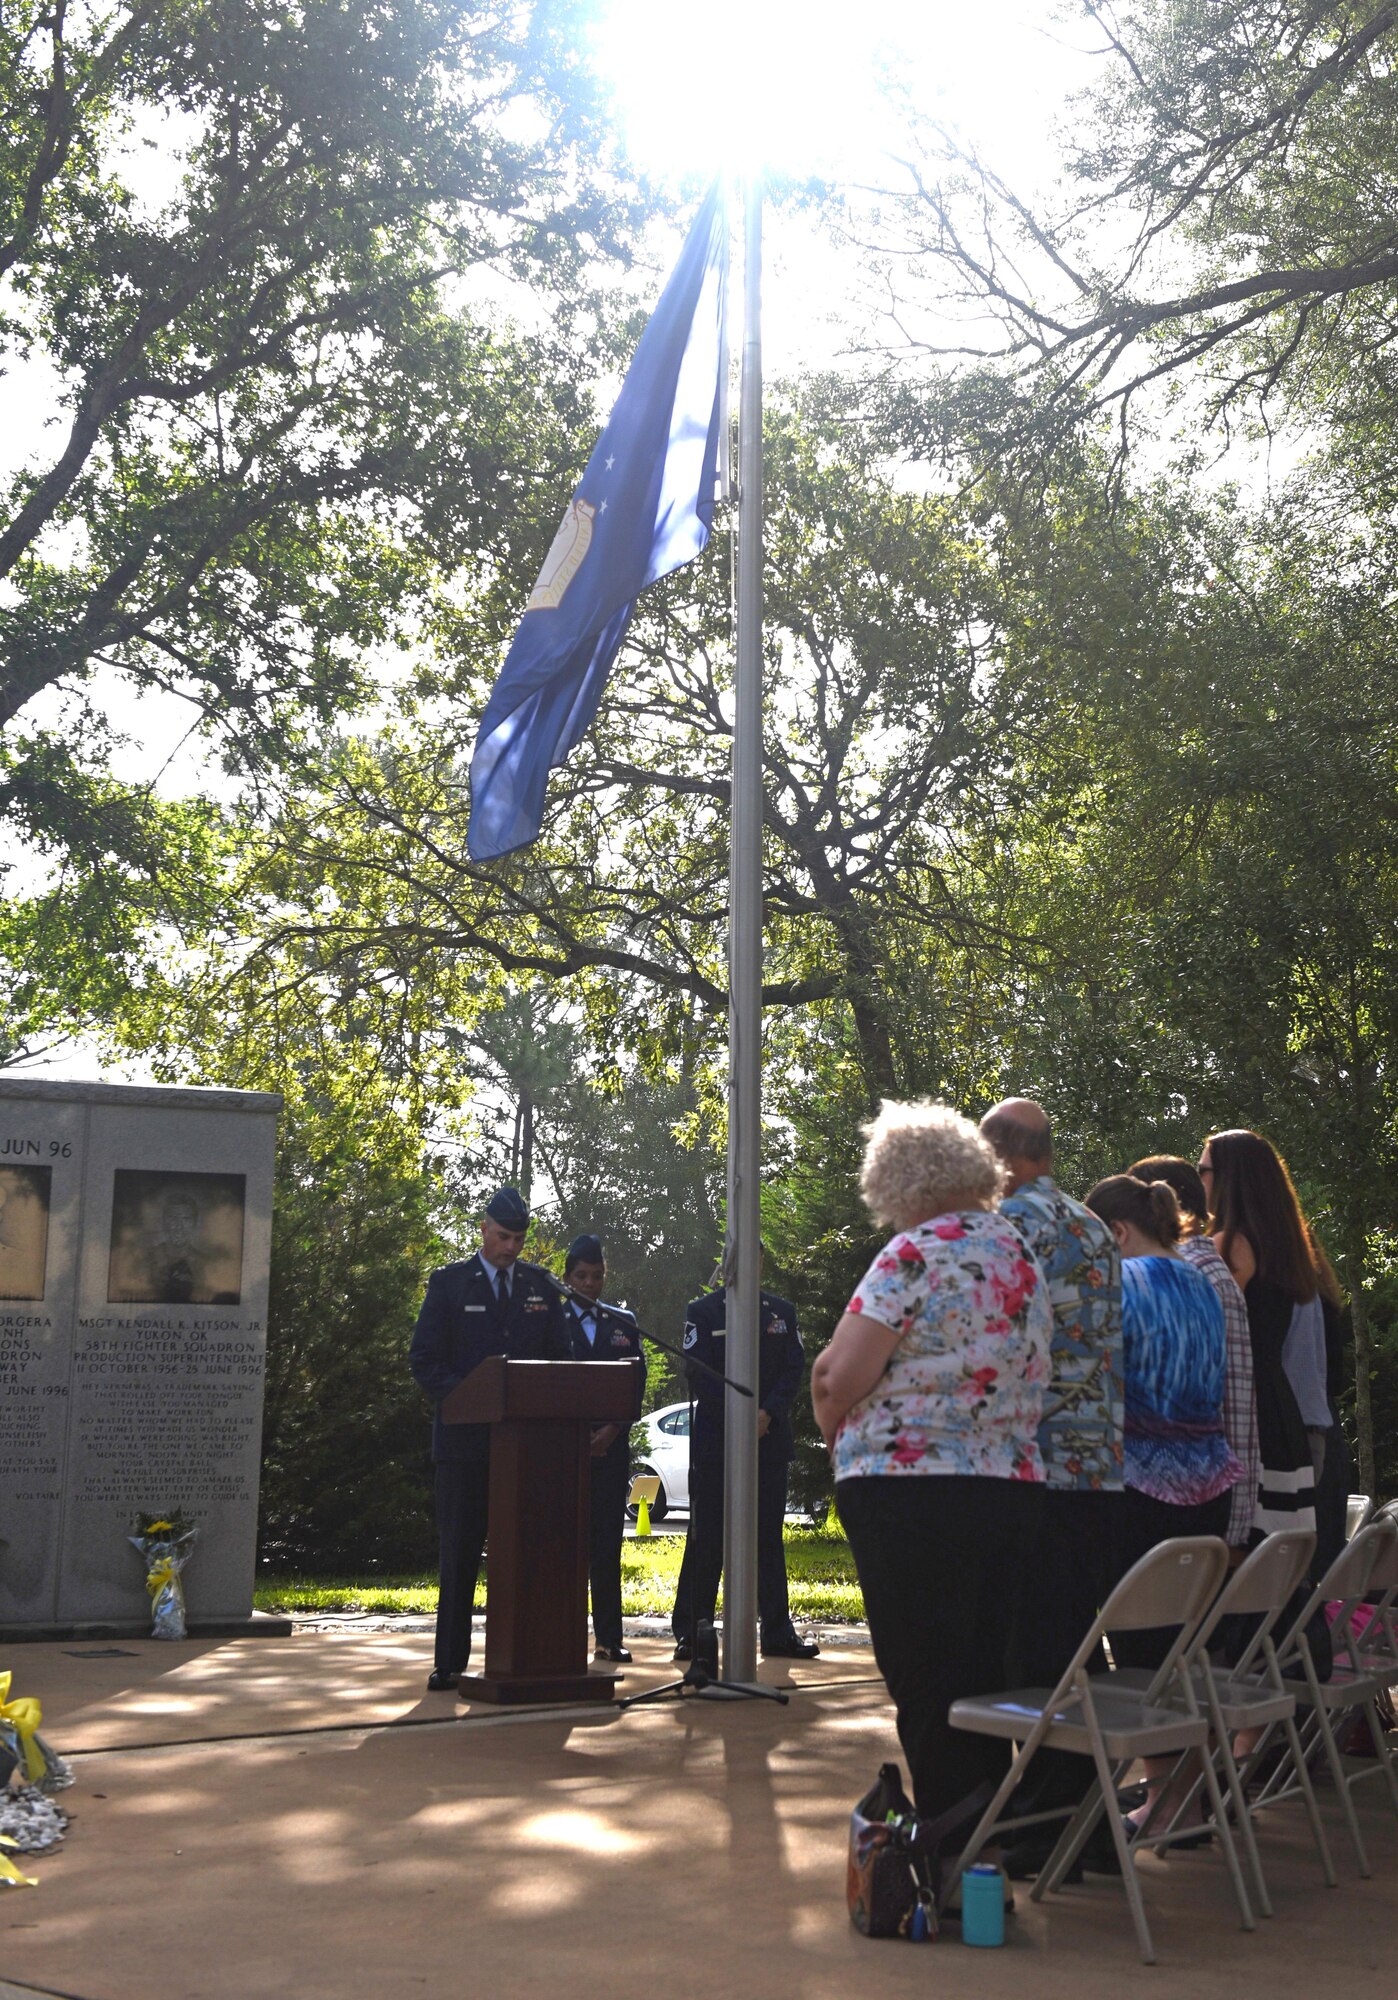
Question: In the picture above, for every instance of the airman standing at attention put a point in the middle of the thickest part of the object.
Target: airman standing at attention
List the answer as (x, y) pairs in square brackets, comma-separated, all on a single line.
[(601, 1332), (780, 1361)]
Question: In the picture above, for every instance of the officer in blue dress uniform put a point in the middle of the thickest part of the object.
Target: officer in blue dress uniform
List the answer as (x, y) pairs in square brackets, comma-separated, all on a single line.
[(780, 1361), (492, 1303), (601, 1332)]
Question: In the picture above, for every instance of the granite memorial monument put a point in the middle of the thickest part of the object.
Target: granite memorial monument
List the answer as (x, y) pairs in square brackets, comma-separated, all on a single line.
[(135, 1235)]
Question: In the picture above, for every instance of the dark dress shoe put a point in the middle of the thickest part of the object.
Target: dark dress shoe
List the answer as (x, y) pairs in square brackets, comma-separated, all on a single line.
[(617, 1654), (683, 1650), (440, 1683), (1029, 1856), (792, 1649), (1100, 1857)]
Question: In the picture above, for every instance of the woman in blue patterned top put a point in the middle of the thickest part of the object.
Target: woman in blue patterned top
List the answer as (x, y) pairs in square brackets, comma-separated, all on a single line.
[(1180, 1470)]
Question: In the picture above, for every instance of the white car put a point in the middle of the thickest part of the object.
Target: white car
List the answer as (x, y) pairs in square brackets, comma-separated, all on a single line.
[(665, 1456)]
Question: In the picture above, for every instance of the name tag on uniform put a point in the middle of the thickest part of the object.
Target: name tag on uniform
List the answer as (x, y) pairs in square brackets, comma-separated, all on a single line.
[(473, 1309)]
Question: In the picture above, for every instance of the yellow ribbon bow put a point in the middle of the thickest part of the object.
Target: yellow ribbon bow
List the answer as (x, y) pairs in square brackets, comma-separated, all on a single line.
[(157, 1578), (8, 1871), (23, 1715)]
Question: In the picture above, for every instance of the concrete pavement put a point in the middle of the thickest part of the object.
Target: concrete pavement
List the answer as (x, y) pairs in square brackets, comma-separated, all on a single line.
[(297, 1818)]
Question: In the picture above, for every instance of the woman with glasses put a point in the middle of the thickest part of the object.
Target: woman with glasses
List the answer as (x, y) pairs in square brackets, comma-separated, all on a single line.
[(1261, 1234)]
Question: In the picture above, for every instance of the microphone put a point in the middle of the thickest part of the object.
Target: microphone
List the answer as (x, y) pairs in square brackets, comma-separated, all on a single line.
[(629, 1320)]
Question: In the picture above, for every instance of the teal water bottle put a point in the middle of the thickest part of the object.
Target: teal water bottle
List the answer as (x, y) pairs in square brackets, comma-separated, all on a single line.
[(982, 1906)]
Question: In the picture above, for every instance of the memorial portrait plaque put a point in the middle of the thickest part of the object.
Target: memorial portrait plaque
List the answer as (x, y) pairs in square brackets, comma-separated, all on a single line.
[(177, 1238), (135, 1242), (24, 1231)]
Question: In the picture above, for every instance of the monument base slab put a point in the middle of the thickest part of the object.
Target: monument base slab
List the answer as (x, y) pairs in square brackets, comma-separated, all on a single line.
[(257, 1625)]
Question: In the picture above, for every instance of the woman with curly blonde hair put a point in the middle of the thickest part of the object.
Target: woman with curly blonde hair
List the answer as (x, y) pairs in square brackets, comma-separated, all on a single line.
[(929, 1397)]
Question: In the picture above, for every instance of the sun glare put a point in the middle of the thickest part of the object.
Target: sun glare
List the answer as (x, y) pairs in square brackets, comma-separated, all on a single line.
[(796, 86), (745, 84)]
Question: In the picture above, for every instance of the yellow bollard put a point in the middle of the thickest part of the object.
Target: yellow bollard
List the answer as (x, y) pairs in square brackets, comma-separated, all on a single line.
[(643, 1516)]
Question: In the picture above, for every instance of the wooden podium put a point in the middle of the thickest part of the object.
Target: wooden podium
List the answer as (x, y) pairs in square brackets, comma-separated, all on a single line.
[(541, 1415)]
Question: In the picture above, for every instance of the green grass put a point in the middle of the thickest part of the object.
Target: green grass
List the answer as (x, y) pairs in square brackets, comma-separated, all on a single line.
[(819, 1567)]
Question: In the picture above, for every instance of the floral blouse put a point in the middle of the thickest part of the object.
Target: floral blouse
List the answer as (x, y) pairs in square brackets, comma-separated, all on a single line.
[(964, 1387)]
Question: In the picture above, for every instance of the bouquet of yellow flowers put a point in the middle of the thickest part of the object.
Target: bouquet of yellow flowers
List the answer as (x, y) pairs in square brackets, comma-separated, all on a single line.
[(166, 1542), (30, 1821)]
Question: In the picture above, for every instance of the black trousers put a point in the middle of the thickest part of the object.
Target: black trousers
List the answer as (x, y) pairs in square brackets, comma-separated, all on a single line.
[(606, 1531), (1331, 1497), (1071, 1569), (1143, 1523), (940, 1560), (463, 1505), (696, 1594)]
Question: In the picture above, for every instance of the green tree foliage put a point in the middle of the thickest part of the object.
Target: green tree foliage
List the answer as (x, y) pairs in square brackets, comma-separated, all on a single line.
[(1208, 848), (1078, 799), (882, 737), (345, 1475), (1142, 878), (634, 1165), (1080, 784), (613, 1148), (1221, 220), (1384, 1383), (1184, 904), (244, 251)]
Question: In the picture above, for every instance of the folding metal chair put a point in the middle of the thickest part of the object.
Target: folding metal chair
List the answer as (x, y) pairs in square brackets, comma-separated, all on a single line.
[(1352, 1684), (1101, 1717), (1252, 1695), (1373, 1645), (1359, 1508)]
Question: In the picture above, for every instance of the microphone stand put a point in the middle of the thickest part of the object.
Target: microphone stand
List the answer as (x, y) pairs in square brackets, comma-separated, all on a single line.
[(701, 1677)]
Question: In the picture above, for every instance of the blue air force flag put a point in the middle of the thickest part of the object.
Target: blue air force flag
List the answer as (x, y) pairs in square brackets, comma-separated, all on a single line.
[(644, 506)]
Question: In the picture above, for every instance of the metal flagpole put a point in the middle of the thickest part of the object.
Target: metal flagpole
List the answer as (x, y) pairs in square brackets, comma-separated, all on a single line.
[(743, 1249)]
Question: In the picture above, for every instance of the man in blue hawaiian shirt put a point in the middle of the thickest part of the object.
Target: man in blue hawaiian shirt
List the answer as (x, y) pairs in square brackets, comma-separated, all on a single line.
[(1080, 1436)]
